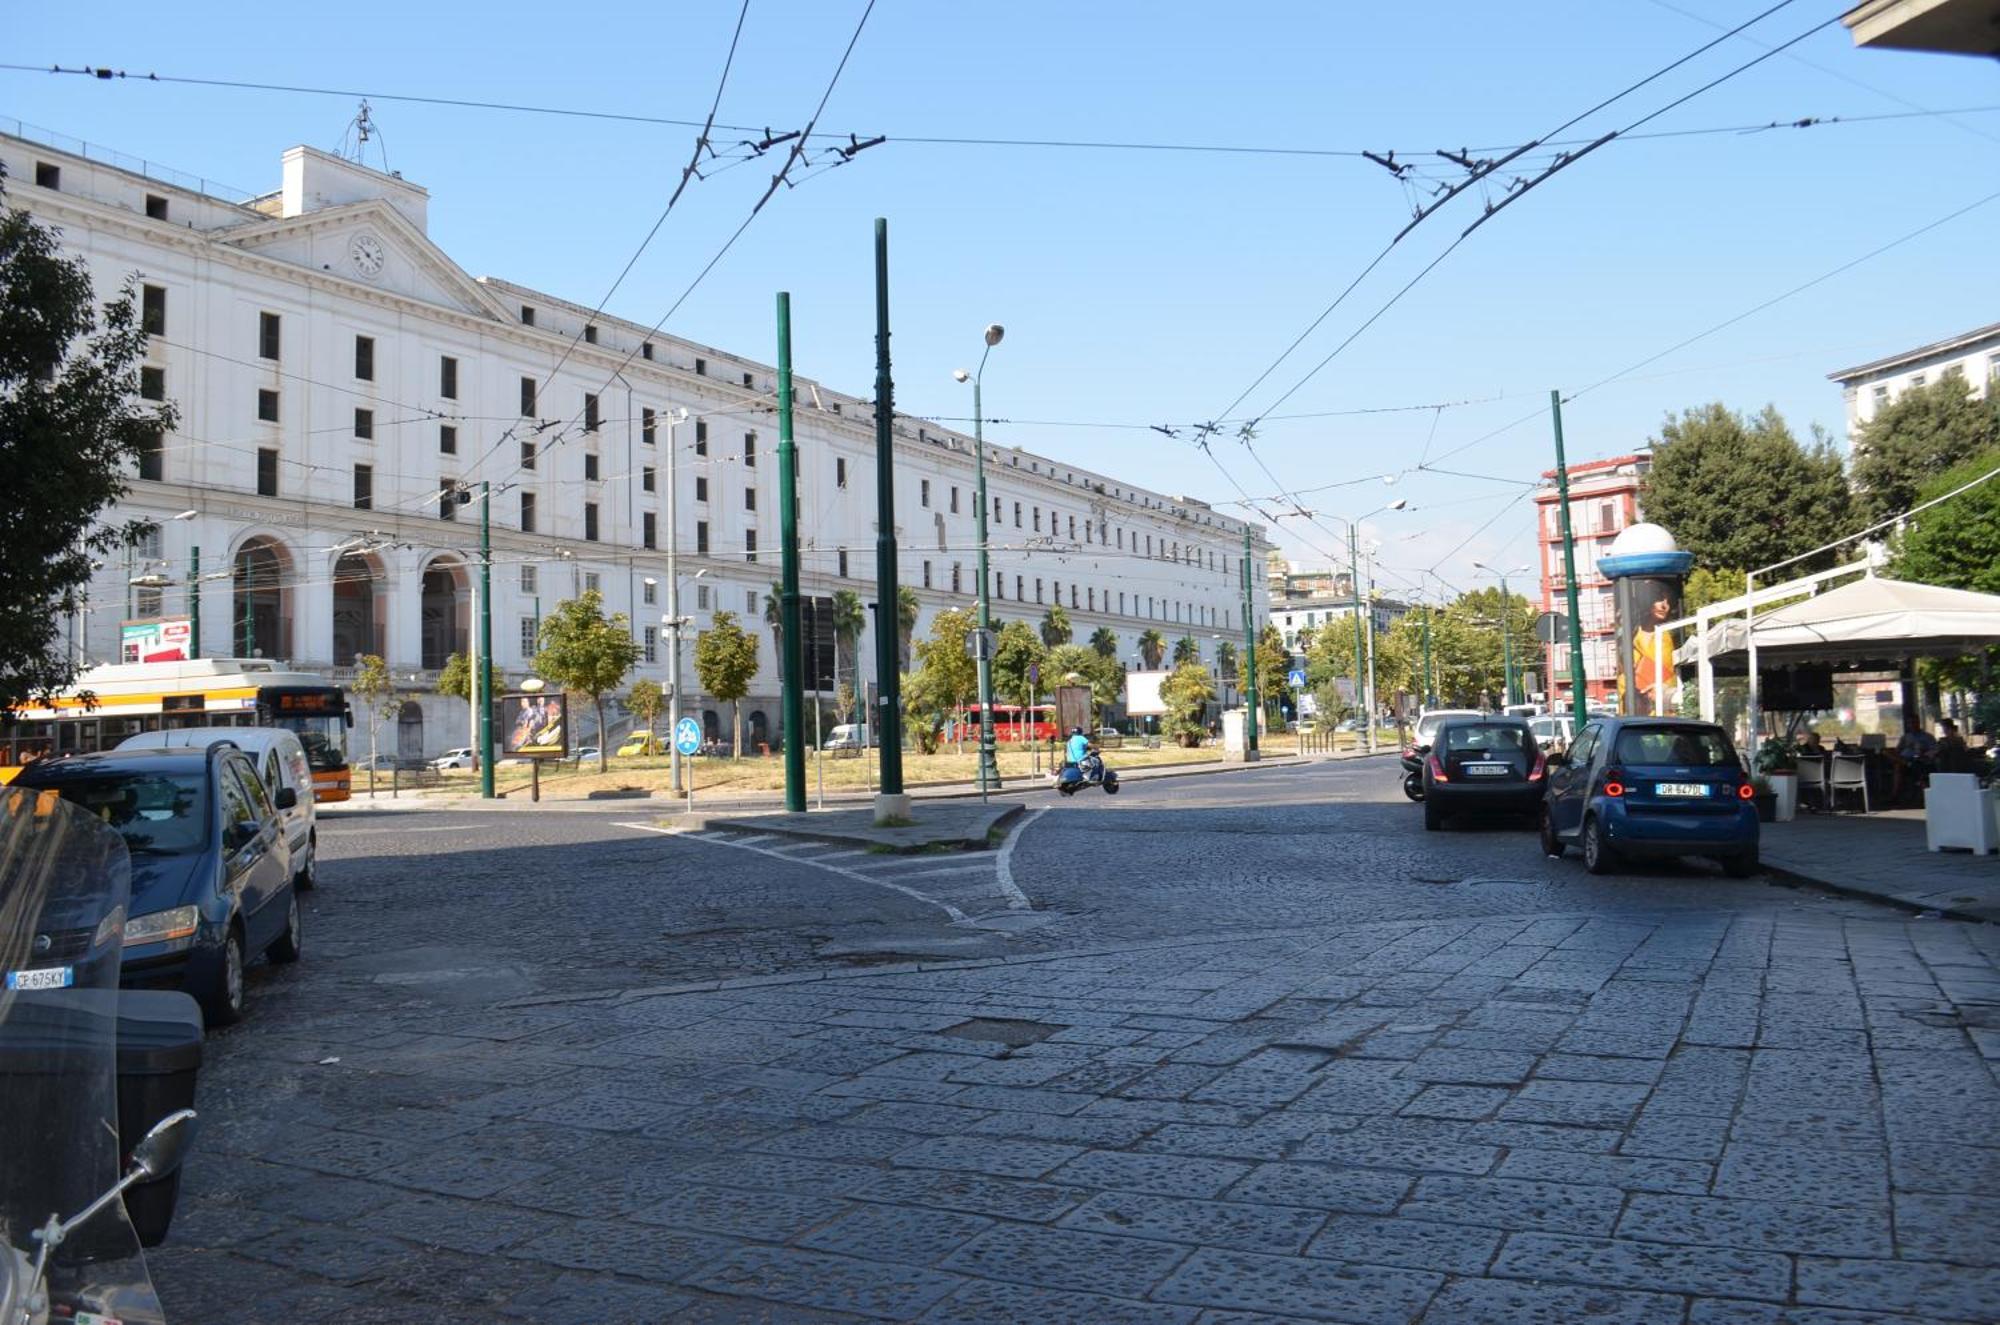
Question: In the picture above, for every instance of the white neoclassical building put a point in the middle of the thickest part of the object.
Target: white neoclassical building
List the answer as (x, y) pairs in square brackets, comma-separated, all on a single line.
[(336, 373)]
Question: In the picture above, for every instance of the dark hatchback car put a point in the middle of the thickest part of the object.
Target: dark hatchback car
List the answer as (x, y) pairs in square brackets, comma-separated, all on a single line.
[(211, 875), (1652, 787), (1482, 766)]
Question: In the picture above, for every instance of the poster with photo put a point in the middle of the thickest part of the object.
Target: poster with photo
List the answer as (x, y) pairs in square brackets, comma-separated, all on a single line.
[(1646, 658), (535, 726)]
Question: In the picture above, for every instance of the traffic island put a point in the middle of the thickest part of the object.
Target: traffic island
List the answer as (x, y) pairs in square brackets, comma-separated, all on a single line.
[(930, 826)]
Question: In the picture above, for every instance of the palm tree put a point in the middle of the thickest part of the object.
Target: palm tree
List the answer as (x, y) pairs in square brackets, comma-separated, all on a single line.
[(1055, 627), (907, 608), (774, 617), (1105, 640), (850, 618), (1225, 659), (1152, 648), (1186, 650)]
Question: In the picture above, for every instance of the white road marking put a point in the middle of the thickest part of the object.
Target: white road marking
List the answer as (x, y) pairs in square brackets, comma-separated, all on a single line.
[(366, 832), (981, 868), (1003, 864), (956, 915)]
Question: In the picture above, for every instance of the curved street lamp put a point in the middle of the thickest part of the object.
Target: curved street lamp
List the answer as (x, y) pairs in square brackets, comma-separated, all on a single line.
[(989, 764)]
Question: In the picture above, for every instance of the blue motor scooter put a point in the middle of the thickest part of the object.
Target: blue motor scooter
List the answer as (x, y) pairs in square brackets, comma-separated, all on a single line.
[(1090, 773)]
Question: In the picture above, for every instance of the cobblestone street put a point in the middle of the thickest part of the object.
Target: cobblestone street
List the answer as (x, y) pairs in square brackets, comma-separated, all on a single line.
[(1258, 1048)]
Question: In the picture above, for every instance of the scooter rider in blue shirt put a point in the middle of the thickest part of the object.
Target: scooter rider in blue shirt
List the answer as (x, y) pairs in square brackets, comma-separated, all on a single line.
[(1078, 746)]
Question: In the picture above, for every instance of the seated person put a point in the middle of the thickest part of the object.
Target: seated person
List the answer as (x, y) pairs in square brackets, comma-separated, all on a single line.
[(1810, 747), (1912, 761), (1953, 754)]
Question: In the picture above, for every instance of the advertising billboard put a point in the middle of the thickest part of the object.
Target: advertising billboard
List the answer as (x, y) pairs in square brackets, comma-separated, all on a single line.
[(535, 726), (160, 639), (1646, 659)]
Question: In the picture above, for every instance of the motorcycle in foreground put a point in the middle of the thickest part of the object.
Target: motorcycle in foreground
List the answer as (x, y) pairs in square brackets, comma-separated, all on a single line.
[(1413, 770), (65, 882), (1090, 773)]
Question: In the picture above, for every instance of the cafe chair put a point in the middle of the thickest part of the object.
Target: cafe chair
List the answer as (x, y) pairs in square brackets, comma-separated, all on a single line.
[(1812, 778), (1848, 775)]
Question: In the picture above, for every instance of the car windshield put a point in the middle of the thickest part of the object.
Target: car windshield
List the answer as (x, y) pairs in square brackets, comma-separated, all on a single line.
[(156, 813), (1686, 747), (1484, 736)]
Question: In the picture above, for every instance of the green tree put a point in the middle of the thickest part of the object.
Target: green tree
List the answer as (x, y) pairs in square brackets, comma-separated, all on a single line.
[(587, 653), (850, 618), (647, 702), (1015, 653), (1467, 649), (71, 428), (1273, 665), (1186, 650), (455, 678), (1104, 640), (908, 608), (1956, 543), (1707, 585), (774, 617), (1152, 648), (375, 687), (1925, 432), (945, 680), (1103, 675), (1225, 659), (725, 658), (843, 701), (1055, 626), (1744, 492), (1186, 694)]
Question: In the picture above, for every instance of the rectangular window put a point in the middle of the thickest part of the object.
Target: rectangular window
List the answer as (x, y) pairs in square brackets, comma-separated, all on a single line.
[(267, 405), (364, 487), (1121, 540), (1072, 529), (648, 426), (1090, 598), (750, 601), (153, 310), (529, 644), (527, 397), (701, 368), (646, 351), (1121, 604), (1038, 589), (269, 335), (839, 472), (701, 538), (364, 358), (527, 512), (267, 472), (48, 176), (956, 579), (748, 380), (646, 479), (448, 377), (152, 455), (592, 582), (153, 383), (156, 207), (999, 585), (701, 597), (701, 488), (590, 522), (649, 536), (527, 455), (590, 466), (448, 499), (924, 492), (1072, 595), (1018, 595), (364, 424), (590, 333), (648, 592), (530, 582), (749, 499), (649, 644), (749, 545), (447, 439), (701, 437), (527, 316), (997, 509), (954, 499), (1017, 515), (840, 563), (1036, 512), (1917, 380), (750, 448), (927, 575), (590, 411)]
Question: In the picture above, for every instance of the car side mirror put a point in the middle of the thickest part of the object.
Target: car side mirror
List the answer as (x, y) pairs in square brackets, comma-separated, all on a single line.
[(286, 798)]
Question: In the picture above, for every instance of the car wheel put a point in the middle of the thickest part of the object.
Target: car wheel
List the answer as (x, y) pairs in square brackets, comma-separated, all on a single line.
[(1741, 865), (308, 876), (1597, 857), (1552, 846), (1433, 817), (289, 946), (222, 1000)]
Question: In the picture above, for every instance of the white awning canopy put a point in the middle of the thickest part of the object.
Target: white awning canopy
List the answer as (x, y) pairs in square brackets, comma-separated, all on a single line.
[(1869, 621)]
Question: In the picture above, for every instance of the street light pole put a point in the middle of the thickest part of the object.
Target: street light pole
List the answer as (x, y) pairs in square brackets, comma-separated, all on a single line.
[(793, 700), (989, 764), (673, 622), (1579, 700), (892, 803), (1354, 583), (1249, 655), (482, 680)]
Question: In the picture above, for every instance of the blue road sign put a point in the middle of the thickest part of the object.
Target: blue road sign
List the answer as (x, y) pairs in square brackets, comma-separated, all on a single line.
[(687, 736), (1296, 678)]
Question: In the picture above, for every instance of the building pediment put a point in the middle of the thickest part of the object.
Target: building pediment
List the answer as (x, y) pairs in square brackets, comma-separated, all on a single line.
[(371, 244)]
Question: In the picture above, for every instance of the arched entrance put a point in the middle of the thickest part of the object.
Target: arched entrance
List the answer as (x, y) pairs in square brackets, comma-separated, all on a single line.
[(447, 606), (357, 618), (261, 616), (410, 733)]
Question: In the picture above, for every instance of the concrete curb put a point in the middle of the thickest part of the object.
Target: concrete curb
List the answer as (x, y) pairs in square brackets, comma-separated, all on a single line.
[(902, 841), (1921, 904)]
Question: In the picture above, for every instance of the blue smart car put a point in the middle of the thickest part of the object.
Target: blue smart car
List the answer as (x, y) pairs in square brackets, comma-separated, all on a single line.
[(1632, 787)]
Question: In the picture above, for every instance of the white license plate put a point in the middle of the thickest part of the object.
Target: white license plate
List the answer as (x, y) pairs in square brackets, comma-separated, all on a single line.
[(1489, 770), (51, 977), (1681, 789)]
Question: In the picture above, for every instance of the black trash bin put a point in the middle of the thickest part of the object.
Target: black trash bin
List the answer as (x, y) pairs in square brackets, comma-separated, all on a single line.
[(159, 1054)]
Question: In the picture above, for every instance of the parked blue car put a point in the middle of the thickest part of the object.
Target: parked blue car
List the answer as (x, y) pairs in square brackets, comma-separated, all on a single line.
[(1651, 787), (211, 873)]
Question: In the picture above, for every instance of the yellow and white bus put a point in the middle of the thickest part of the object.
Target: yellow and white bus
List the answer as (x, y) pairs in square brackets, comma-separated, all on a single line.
[(108, 704)]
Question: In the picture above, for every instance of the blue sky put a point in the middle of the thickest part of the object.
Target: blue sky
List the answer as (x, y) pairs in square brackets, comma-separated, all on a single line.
[(1144, 287)]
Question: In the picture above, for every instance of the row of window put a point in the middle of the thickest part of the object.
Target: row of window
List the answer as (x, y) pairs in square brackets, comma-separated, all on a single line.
[(48, 175)]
